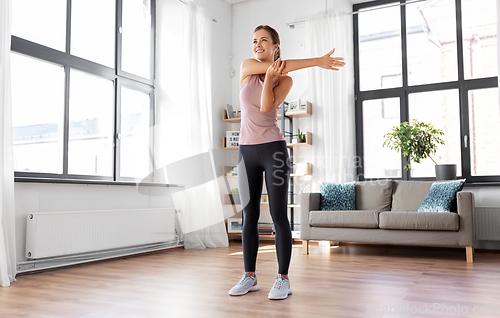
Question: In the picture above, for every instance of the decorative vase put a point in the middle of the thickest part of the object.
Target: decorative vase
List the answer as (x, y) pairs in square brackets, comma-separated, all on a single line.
[(446, 172)]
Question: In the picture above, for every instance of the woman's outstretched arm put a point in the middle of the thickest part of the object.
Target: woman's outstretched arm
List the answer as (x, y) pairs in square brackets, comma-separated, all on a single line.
[(253, 66)]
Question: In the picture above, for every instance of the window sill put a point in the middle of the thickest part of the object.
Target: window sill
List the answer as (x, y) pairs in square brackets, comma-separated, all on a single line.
[(97, 182)]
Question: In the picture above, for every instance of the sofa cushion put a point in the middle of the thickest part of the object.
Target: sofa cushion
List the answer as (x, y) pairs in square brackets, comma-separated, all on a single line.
[(441, 196), (354, 219), (409, 195), (337, 196), (397, 220), (374, 195)]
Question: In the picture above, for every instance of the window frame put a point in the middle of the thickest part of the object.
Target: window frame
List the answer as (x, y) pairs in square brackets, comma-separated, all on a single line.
[(463, 85), (119, 79)]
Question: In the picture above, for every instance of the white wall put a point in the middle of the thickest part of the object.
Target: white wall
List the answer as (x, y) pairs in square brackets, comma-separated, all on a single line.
[(57, 197), (276, 13), (48, 197), (232, 34)]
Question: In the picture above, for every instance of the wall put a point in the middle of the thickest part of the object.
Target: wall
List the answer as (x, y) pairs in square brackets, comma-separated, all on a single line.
[(232, 36), (247, 15), (54, 197), (48, 197), (277, 13)]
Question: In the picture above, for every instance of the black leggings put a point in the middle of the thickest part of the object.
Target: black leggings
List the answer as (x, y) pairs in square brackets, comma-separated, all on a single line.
[(271, 157)]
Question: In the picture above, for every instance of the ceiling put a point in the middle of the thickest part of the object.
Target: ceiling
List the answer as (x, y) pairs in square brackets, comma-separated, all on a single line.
[(351, 1)]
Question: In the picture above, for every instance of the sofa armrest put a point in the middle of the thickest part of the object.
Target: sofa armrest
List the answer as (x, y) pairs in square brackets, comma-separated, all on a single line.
[(308, 202), (466, 205)]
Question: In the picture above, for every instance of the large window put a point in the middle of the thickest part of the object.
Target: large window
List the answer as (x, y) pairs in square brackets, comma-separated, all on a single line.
[(82, 89), (435, 61)]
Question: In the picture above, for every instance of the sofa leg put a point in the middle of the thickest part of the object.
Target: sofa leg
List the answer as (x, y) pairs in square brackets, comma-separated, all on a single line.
[(469, 251), (305, 247)]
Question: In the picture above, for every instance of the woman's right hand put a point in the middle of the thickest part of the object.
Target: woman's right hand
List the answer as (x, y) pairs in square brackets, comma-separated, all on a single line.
[(276, 69), (331, 63)]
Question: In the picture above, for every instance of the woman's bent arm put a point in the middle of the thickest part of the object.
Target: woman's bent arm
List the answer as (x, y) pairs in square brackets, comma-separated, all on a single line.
[(272, 98)]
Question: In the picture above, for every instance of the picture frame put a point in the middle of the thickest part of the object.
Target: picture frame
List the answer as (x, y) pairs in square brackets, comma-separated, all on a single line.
[(234, 225), (229, 111), (294, 105)]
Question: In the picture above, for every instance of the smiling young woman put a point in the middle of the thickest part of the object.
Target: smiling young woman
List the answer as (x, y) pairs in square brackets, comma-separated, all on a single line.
[(264, 85)]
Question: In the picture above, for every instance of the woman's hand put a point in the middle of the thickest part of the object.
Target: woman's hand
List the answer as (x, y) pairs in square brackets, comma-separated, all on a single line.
[(331, 63), (276, 69)]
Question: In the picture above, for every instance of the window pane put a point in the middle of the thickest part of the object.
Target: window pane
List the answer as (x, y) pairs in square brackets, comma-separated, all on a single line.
[(480, 38), (484, 127), (37, 114), (136, 37), (43, 22), (441, 109), (93, 41), (380, 48), (91, 118), (431, 38), (379, 116), (135, 134)]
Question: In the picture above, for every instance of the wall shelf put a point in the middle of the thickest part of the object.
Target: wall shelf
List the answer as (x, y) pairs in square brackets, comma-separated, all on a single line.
[(302, 144), (232, 120)]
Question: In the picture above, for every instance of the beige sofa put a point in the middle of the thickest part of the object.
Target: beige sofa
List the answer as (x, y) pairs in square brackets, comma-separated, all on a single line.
[(386, 214)]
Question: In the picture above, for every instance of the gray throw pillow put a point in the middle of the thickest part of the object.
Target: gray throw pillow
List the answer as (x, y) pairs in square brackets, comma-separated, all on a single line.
[(337, 196)]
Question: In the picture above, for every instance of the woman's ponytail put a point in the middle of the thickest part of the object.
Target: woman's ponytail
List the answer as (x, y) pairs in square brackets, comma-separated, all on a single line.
[(277, 53)]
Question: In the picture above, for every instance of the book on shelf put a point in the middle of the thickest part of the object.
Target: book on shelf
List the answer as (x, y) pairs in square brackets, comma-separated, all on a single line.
[(266, 230), (233, 171)]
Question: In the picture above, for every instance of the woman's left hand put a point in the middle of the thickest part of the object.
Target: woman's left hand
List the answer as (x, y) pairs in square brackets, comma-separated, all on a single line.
[(276, 69)]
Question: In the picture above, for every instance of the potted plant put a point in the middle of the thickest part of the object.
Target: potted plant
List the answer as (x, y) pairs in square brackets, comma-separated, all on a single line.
[(417, 141), (235, 196), (301, 137)]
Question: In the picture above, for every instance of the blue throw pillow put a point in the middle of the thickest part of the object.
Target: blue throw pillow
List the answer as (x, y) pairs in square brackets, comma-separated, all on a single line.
[(441, 195), (337, 196)]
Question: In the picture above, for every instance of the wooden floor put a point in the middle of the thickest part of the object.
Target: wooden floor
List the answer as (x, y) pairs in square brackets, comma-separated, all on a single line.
[(345, 281)]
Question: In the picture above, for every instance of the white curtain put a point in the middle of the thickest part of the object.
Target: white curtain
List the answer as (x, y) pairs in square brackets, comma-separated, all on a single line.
[(184, 98), (7, 237), (332, 96), (498, 43)]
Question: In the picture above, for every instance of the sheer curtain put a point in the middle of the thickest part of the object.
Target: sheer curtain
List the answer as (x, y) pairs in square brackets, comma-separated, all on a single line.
[(184, 98), (7, 237), (332, 94)]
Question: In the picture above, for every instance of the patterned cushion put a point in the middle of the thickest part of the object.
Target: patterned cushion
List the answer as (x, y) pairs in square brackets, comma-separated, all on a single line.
[(441, 196), (337, 196)]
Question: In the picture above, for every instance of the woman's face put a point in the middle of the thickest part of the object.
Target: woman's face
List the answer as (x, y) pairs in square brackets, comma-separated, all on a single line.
[(263, 47)]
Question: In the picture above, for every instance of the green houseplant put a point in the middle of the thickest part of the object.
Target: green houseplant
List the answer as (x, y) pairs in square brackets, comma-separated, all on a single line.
[(301, 137), (417, 141)]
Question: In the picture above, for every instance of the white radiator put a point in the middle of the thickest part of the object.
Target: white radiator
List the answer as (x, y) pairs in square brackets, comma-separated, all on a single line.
[(487, 223), (65, 233)]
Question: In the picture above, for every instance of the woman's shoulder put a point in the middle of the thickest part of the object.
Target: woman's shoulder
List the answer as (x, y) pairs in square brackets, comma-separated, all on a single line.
[(250, 61)]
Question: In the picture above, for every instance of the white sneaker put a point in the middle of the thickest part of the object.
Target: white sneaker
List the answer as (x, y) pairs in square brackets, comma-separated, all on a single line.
[(281, 288), (247, 283)]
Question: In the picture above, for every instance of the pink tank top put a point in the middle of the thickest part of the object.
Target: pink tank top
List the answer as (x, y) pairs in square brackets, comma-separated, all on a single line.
[(257, 127)]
